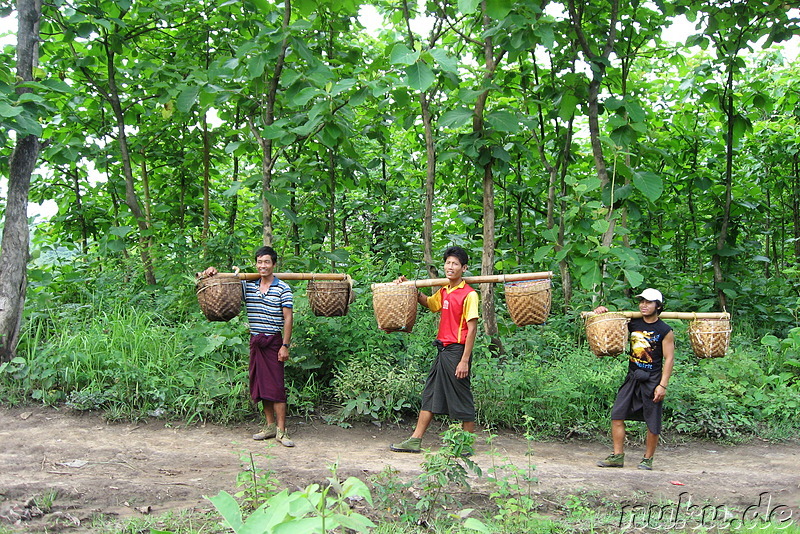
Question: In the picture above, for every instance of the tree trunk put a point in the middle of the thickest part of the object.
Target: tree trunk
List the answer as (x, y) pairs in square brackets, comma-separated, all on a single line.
[(598, 62), (487, 259), (131, 198), (206, 179), (430, 182), (716, 259), (15, 245), (332, 207), (267, 162)]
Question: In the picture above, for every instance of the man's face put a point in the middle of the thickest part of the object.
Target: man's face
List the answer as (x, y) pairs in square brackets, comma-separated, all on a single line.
[(264, 265), (453, 269), (647, 307)]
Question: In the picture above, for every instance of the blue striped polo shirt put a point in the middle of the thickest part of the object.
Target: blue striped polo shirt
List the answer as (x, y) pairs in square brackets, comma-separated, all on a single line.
[(265, 310)]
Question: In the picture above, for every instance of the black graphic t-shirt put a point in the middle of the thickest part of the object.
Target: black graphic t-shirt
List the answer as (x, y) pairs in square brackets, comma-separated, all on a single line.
[(646, 339)]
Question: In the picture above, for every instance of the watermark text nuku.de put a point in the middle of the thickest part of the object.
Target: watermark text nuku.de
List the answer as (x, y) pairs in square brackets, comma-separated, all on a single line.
[(684, 514)]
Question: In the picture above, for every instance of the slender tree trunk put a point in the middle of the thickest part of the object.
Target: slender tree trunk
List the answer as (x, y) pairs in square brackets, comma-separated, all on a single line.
[(430, 183), (487, 258), (598, 61), (267, 162), (716, 260), (131, 198), (206, 179), (332, 207), (796, 206), (15, 245)]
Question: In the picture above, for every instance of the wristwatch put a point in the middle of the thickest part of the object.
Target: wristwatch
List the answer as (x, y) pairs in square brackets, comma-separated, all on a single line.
[(286, 345)]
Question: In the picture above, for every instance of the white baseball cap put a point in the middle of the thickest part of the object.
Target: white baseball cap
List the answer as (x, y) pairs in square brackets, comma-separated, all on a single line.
[(652, 295)]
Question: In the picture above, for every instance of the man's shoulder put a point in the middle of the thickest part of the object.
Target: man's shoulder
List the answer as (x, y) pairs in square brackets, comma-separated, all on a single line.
[(282, 285)]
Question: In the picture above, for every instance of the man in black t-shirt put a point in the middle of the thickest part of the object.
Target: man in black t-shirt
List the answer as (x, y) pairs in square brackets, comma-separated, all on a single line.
[(649, 368)]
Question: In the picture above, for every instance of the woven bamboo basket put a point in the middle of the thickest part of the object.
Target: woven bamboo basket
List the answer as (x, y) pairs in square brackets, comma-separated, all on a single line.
[(330, 298), (220, 296), (528, 301), (607, 333), (709, 337), (395, 306)]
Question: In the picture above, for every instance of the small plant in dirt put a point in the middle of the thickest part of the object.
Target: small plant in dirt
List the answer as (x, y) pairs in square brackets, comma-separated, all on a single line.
[(449, 466), (391, 495), (257, 484), (513, 486), (315, 509)]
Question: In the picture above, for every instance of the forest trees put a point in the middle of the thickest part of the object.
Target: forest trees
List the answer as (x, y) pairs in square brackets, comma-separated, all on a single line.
[(540, 135)]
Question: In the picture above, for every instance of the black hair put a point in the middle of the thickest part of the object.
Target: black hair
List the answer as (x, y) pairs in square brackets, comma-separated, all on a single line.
[(456, 252), (267, 251)]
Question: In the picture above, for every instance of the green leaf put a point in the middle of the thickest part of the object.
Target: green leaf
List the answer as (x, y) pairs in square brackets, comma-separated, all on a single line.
[(9, 111), (567, 106), (600, 226), (402, 55), (278, 200), (591, 277), (542, 252), (456, 118), (228, 508), (302, 97), (446, 62), (467, 7), (256, 66), (342, 85), (420, 77), (649, 184), (474, 524), (727, 251), (187, 98), (634, 278), (120, 231), (263, 6), (499, 9), (503, 121)]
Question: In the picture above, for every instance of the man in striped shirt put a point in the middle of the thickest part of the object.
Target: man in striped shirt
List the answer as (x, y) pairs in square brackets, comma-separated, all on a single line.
[(269, 304)]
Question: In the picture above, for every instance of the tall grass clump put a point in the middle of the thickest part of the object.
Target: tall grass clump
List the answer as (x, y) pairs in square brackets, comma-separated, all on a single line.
[(125, 361)]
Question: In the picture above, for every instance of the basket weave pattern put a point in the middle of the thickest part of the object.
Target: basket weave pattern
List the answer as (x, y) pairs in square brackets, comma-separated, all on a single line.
[(607, 333), (709, 337), (395, 306), (528, 302), (219, 296), (329, 298)]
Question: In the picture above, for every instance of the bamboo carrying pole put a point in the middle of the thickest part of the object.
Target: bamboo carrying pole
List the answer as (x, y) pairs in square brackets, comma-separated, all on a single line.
[(668, 315), (486, 279), (290, 276)]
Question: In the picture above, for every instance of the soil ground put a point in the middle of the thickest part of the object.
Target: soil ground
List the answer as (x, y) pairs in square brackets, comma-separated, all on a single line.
[(125, 470)]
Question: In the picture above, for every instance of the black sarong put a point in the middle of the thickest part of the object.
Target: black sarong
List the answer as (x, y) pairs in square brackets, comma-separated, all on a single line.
[(635, 400), (444, 393)]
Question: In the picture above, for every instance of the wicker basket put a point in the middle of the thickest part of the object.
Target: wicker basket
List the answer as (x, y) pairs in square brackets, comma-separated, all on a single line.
[(330, 298), (607, 333), (709, 337), (395, 306), (220, 296), (528, 301)]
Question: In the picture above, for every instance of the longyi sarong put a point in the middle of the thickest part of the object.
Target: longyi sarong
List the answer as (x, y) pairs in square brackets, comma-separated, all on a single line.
[(444, 393), (634, 400), (266, 372)]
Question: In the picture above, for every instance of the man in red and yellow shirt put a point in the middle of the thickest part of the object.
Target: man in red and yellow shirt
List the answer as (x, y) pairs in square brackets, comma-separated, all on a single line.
[(447, 389)]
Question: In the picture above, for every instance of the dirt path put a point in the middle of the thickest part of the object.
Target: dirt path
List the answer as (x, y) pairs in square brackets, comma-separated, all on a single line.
[(127, 469)]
